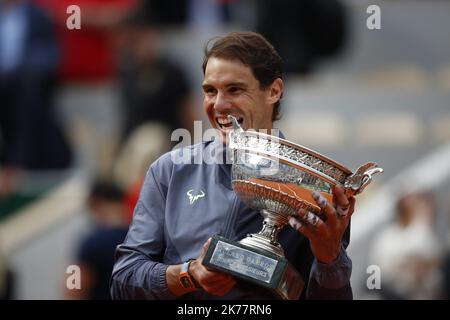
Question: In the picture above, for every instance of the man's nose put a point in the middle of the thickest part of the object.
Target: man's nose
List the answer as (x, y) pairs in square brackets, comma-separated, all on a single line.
[(221, 103)]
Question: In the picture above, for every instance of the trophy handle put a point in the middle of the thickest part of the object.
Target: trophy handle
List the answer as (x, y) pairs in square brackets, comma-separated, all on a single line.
[(356, 183), (234, 134), (236, 126)]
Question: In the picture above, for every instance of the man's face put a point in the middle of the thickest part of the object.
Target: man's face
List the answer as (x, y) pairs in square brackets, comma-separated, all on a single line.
[(230, 88)]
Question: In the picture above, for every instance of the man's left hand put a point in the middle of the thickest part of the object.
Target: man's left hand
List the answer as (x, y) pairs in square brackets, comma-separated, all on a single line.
[(325, 236)]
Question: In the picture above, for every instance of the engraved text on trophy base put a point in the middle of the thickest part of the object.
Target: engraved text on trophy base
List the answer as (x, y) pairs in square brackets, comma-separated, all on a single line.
[(243, 261)]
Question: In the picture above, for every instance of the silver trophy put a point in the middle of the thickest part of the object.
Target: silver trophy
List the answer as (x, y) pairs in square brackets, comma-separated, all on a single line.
[(277, 177)]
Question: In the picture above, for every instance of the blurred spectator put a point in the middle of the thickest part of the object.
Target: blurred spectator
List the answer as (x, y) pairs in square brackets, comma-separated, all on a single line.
[(157, 100), (163, 13), (408, 251), (88, 54), (88, 98), (95, 256), (154, 87), (446, 277), (145, 144), (445, 268), (303, 31), (195, 13), (6, 280), (30, 137)]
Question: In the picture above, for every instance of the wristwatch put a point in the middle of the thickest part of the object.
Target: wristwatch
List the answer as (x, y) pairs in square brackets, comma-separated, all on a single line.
[(185, 278)]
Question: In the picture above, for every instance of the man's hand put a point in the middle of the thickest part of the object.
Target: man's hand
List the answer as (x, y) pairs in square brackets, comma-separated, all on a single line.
[(213, 282), (325, 236)]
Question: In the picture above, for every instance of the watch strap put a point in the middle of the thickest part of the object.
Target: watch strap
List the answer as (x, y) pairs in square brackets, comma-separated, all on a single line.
[(185, 278)]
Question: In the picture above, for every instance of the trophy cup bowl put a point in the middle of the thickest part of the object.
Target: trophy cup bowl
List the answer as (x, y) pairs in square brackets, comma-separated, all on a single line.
[(276, 177)]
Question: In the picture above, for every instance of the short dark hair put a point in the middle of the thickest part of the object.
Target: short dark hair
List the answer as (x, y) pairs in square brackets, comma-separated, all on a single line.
[(253, 50)]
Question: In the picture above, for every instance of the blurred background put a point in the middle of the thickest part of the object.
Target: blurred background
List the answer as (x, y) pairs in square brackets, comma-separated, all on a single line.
[(84, 112)]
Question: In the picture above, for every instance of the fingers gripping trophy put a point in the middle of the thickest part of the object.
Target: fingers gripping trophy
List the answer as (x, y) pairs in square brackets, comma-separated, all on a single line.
[(280, 179)]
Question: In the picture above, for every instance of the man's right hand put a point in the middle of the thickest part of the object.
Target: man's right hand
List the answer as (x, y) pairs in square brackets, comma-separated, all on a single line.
[(213, 282), (216, 283)]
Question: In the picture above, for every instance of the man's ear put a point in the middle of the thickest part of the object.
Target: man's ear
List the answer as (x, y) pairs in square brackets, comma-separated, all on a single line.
[(275, 90)]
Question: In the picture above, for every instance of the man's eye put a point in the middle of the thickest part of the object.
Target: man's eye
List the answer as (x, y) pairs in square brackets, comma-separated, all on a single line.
[(209, 91), (235, 89)]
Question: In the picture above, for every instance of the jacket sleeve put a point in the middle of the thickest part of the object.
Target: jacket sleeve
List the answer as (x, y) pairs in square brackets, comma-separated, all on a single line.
[(332, 281), (138, 272)]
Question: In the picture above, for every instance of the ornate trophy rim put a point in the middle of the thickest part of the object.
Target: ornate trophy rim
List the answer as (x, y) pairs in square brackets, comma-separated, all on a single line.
[(303, 158), (295, 155), (307, 150)]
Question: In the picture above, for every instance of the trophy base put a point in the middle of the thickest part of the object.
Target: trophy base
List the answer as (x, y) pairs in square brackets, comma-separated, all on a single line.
[(273, 274)]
